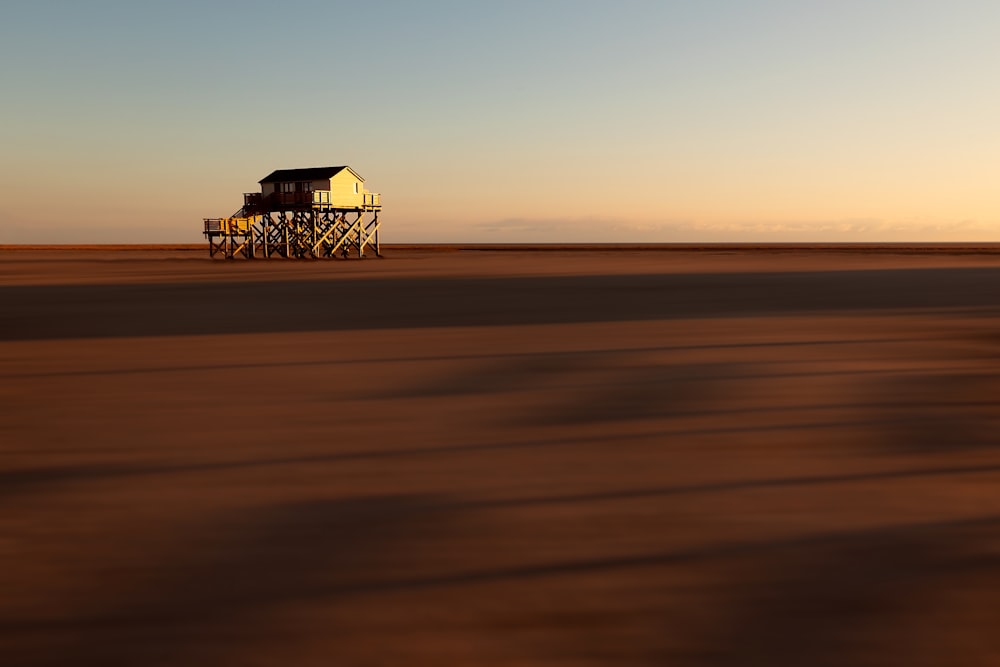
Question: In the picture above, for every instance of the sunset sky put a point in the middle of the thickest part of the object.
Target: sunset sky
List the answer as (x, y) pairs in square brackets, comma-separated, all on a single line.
[(514, 121)]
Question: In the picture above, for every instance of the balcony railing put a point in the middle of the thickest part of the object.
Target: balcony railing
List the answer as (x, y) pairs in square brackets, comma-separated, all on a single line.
[(233, 226), (255, 203)]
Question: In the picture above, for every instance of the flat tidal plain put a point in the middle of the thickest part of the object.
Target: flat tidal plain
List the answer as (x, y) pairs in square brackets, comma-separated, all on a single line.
[(471, 455)]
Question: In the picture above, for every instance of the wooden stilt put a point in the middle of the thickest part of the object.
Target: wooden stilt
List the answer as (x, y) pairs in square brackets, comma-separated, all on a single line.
[(319, 231)]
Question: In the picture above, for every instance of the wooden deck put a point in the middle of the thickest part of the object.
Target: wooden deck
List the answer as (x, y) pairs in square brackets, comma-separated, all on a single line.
[(255, 203)]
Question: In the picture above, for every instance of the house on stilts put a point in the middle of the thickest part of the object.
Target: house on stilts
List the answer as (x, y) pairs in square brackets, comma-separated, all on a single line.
[(318, 212)]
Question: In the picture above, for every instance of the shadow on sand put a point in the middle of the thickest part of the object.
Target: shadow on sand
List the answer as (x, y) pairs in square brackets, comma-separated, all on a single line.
[(94, 311)]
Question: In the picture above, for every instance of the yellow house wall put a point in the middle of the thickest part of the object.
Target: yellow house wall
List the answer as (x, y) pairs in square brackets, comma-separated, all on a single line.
[(341, 189)]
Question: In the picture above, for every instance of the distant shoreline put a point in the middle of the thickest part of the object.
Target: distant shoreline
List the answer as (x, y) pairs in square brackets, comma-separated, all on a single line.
[(960, 247)]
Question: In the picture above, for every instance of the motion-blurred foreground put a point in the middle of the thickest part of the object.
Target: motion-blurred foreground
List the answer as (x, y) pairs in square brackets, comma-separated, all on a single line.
[(501, 458)]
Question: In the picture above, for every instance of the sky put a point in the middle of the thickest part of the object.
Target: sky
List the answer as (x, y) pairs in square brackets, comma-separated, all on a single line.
[(515, 121)]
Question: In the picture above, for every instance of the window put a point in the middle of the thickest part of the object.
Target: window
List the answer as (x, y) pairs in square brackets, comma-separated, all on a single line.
[(356, 187)]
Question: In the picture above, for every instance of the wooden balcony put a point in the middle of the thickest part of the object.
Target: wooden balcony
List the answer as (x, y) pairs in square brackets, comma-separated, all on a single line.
[(227, 226), (255, 203)]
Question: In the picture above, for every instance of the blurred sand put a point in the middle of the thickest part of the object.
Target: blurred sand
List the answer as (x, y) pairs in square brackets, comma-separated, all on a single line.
[(690, 456)]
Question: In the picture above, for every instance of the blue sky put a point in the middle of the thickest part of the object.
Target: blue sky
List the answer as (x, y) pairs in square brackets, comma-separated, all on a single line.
[(550, 120)]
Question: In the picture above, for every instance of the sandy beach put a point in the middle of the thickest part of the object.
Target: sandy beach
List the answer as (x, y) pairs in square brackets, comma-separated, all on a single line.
[(475, 455)]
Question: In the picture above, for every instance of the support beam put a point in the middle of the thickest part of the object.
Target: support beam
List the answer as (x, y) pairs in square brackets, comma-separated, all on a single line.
[(319, 232)]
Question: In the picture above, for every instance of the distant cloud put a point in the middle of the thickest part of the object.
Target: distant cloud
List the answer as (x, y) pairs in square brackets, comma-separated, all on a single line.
[(598, 230), (583, 230), (517, 225)]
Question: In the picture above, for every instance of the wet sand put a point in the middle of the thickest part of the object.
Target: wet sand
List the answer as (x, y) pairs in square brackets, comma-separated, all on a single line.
[(733, 455)]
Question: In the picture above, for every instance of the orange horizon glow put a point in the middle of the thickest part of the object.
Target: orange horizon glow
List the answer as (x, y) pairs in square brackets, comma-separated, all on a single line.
[(656, 121)]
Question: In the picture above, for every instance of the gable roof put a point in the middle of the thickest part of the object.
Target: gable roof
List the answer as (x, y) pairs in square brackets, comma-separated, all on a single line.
[(310, 174)]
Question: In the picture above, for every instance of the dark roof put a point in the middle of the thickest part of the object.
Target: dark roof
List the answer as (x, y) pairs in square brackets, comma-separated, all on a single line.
[(310, 174)]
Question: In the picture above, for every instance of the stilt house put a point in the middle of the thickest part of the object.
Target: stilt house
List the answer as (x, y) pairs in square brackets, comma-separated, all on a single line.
[(303, 213), (340, 188)]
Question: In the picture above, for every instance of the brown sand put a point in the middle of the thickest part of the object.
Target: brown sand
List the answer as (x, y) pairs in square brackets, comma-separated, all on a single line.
[(670, 456)]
